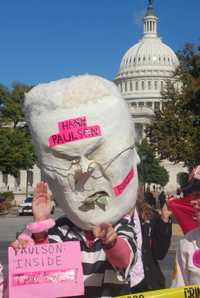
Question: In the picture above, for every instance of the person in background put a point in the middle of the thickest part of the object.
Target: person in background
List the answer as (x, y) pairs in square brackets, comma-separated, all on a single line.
[(162, 199), (183, 209), (156, 237), (187, 264), (155, 194), (149, 198), (178, 193)]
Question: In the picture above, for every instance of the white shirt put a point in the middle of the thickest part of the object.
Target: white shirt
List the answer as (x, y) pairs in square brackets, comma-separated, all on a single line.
[(137, 272), (187, 273)]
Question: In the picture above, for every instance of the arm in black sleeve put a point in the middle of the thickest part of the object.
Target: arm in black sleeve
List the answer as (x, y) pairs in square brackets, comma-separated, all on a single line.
[(161, 237)]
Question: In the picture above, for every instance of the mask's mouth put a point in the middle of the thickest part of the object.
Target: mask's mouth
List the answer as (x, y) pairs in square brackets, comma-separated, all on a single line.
[(98, 199)]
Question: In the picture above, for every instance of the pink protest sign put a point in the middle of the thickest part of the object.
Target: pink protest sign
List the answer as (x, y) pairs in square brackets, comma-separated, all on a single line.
[(46, 271), (72, 130)]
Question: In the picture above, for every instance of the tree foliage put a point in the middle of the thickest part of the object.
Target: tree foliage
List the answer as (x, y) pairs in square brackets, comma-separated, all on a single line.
[(11, 104), (16, 150), (183, 179), (151, 170), (172, 132)]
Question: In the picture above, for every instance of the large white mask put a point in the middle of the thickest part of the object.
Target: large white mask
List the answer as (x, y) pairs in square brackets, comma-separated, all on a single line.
[(84, 139)]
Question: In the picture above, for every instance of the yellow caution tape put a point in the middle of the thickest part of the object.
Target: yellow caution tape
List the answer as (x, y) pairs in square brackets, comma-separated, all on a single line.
[(182, 292)]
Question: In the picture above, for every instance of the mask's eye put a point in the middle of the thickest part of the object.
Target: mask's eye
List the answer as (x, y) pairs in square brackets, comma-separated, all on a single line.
[(75, 161), (65, 156)]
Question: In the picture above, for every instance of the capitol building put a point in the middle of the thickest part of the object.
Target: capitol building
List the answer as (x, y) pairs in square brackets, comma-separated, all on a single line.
[(144, 70)]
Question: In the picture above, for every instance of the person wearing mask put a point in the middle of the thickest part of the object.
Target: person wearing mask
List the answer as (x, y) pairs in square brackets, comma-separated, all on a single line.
[(92, 176)]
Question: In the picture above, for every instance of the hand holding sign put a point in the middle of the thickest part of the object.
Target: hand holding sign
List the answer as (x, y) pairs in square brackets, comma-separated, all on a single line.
[(106, 234), (19, 244)]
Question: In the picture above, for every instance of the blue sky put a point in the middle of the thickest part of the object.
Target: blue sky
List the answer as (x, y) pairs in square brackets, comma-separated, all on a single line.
[(44, 40)]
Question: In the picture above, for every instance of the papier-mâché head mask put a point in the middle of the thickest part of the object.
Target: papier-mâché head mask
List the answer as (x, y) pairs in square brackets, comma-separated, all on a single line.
[(84, 138)]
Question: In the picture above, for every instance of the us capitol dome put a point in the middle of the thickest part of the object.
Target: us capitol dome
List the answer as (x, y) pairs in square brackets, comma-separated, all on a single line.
[(144, 70)]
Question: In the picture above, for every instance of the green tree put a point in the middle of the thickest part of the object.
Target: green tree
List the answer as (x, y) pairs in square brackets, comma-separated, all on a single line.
[(173, 133), (11, 104), (16, 150), (183, 179), (151, 170)]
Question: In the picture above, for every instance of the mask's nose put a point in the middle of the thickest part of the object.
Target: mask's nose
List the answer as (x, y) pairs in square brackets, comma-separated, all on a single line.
[(85, 164), (83, 174)]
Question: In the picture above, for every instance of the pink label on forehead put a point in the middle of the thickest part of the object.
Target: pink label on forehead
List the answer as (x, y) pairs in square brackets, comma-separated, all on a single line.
[(72, 124), (118, 190), (72, 130)]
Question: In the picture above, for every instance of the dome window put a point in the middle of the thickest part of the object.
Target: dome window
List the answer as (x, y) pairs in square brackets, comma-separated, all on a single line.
[(141, 104), (122, 87), (136, 85), (131, 86), (134, 60), (143, 86), (149, 85), (144, 58), (125, 86), (139, 59), (149, 104)]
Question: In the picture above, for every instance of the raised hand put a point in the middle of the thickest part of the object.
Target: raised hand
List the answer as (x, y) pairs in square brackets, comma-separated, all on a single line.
[(106, 234), (42, 203)]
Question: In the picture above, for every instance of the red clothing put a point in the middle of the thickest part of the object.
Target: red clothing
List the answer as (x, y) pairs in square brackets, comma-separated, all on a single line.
[(183, 212)]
